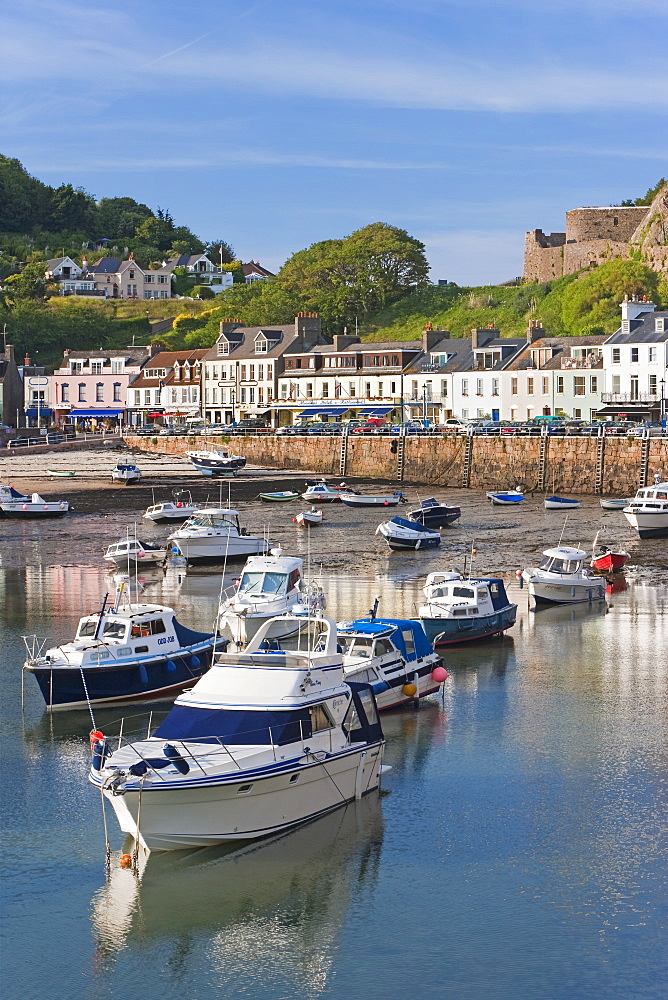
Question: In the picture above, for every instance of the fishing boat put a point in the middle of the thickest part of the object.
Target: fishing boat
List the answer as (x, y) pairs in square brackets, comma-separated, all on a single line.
[(15, 504), (393, 655), (127, 550), (648, 511), (265, 740), (180, 508), (561, 503), (270, 585), (216, 462), (462, 609), (380, 500), (281, 497), (60, 475), (608, 560), (126, 472), (433, 514), (562, 578), (121, 653), (324, 493), (306, 518), (402, 534), (213, 534), (615, 504), (505, 497)]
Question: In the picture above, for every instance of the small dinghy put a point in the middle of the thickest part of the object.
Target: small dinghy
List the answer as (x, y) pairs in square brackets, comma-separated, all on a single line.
[(15, 504), (279, 497), (307, 517), (505, 497), (178, 509), (433, 514), (402, 534), (126, 472), (615, 504), (609, 560), (561, 503), (60, 475), (360, 500), (134, 550)]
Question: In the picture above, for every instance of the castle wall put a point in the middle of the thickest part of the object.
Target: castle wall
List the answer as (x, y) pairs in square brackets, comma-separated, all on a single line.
[(615, 223), (542, 262)]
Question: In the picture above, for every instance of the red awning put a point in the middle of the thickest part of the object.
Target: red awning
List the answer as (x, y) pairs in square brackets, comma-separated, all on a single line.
[(152, 416)]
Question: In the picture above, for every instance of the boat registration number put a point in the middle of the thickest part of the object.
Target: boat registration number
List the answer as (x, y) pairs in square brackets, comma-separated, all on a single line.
[(161, 642)]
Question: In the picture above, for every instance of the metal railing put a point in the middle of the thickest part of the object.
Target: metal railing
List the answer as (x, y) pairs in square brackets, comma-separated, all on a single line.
[(631, 397)]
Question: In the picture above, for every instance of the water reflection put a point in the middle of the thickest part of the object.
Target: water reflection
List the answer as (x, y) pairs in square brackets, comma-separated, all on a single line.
[(271, 911)]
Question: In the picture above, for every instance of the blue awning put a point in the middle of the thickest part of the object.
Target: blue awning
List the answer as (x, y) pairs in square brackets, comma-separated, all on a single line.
[(100, 413), (375, 411), (328, 411), (42, 411)]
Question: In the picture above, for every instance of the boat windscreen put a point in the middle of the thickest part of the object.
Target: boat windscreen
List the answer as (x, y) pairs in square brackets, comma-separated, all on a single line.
[(86, 629), (114, 630), (235, 726), (263, 583)]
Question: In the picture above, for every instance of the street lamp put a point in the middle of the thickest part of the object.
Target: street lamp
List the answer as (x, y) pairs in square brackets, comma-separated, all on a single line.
[(663, 404), (233, 396)]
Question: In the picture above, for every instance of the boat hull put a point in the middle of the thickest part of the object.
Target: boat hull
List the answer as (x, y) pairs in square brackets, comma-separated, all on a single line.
[(611, 562), (213, 811), (28, 512), (437, 519), (505, 501), (151, 678), (558, 593), (556, 503), (307, 519), (648, 525), (212, 549), (359, 501), (614, 504), (449, 631), (147, 558), (279, 497)]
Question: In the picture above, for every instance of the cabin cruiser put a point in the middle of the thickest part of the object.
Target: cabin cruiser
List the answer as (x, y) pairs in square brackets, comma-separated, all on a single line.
[(126, 472), (15, 504), (265, 740), (214, 534), (402, 534), (216, 462), (562, 578), (121, 653), (324, 493), (394, 655), (179, 508), (460, 610), (433, 514), (648, 511), (127, 550), (270, 585)]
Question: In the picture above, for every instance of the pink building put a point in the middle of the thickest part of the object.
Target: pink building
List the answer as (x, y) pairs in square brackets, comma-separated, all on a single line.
[(92, 385)]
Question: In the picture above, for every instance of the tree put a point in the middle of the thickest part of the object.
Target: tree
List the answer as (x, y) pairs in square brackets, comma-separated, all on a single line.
[(236, 269), (27, 284), (156, 232), (183, 237), (119, 217), (73, 209), (202, 292)]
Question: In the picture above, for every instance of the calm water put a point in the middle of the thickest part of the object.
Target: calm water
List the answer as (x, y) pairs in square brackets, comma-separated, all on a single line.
[(517, 849)]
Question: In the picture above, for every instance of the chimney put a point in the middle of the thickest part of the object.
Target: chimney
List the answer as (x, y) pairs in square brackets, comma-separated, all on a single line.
[(431, 337), (342, 340), (9, 353), (227, 326), (535, 331), (482, 335), (631, 309), (308, 326), (26, 361)]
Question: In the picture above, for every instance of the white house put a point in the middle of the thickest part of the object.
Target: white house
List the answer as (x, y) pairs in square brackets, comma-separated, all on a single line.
[(635, 360)]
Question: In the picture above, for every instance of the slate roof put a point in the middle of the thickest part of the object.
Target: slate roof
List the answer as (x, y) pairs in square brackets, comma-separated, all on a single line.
[(461, 360), (137, 354), (642, 330), (244, 337), (562, 344), (107, 265), (56, 261)]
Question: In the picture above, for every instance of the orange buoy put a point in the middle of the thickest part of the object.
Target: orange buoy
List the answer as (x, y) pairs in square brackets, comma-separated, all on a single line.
[(95, 736), (126, 861), (409, 690)]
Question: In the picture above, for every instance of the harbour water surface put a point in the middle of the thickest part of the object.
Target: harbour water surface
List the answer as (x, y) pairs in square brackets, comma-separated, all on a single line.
[(517, 849)]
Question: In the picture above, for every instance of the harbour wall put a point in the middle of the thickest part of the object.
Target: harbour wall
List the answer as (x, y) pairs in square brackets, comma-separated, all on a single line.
[(609, 466)]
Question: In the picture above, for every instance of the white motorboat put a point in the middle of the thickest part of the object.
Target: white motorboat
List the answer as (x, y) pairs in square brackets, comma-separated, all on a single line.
[(265, 740), (216, 462), (433, 514), (381, 500), (125, 652), (15, 504), (133, 550), (611, 503), (648, 511), (561, 503), (308, 517), (460, 609), (503, 498), (213, 534), (402, 534), (180, 508), (562, 578), (393, 655), (126, 472), (270, 585), (324, 493)]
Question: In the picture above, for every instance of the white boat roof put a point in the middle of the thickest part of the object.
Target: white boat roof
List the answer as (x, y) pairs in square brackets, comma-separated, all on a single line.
[(272, 562), (131, 610), (564, 552), (652, 486), (216, 512), (433, 579)]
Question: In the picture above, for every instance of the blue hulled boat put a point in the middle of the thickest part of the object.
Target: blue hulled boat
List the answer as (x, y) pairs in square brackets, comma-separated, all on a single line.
[(460, 610), (399, 533)]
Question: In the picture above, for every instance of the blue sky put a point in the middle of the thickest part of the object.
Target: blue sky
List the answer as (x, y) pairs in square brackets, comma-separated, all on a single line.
[(275, 125)]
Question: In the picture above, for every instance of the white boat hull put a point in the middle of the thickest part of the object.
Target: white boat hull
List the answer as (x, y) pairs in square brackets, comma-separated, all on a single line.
[(213, 813), (146, 558), (361, 501), (562, 504), (561, 593), (648, 524), (217, 548), (307, 518), (244, 627)]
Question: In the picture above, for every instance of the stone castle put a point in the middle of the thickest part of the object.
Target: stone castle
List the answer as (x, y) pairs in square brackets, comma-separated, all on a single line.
[(596, 235)]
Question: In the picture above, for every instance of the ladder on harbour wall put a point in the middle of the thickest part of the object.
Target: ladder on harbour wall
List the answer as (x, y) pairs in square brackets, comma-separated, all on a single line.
[(401, 458), (600, 464), (468, 461), (644, 461), (542, 462), (343, 455)]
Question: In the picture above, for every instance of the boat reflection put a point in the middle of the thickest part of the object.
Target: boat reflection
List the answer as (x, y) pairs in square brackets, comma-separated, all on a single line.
[(564, 613), (273, 909)]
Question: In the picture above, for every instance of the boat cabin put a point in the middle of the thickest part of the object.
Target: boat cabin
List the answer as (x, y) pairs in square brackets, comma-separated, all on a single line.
[(459, 598), (384, 640), (270, 576), (214, 518), (135, 630), (648, 496), (130, 548), (563, 560)]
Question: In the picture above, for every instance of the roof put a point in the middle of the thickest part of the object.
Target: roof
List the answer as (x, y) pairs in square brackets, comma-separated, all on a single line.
[(642, 330), (252, 267), (562, 345), (138, 354), (56, 261), (167, 360), (184, 260), (107, 265), (244, 337)]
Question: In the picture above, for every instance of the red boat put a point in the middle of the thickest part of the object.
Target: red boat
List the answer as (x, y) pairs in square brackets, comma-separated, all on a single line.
[(607, 561)]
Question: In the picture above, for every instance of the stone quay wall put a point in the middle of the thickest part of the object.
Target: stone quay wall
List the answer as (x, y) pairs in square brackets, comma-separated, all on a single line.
[(567, 465)]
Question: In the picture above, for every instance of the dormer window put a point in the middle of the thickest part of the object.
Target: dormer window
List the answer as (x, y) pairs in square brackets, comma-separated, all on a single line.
[(222, 347), (261, 346), (626, 326), (660, 324)]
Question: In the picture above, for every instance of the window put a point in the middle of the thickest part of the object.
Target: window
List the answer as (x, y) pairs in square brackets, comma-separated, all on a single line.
[(260, 372), (626, 326), (530, 387), (117, 367), (99, 392), (465, 414), (82, 392), (148, 278), (513, 386), (352, 389), (96, 367), (75, 367), (635, 351), (652, 385), (137, 397), (560, 383), (251, 374), (652, 354), (284, 391), (260, 394), (478, 387), (546, 385), (465, 387), (147, 397), (325, 390), (495, 387), (309, 390), (444, 387), (261, 346), (222, 347), (616, 355), (162, 279), (214, 396), (616, 383), (593, 383), (319, 719), (132, 273), (380, 389), (65, 393), (659, 325), (251, 394), (577, 414), (243, 373), (579, 385), (269, 371), (242, 393)]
